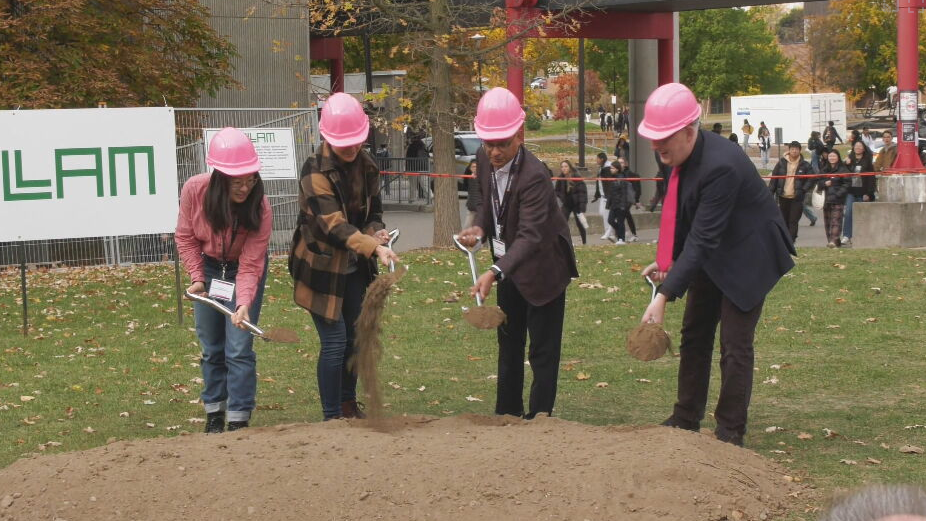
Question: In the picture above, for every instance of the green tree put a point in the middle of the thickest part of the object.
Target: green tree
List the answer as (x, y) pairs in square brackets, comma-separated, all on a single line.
[(75, 53), (610, 58), (791, 27), (725, 52)]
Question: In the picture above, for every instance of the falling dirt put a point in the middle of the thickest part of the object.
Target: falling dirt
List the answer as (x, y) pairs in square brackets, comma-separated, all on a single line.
[(281, 334), (485, 317), (466, 468), (369, 347), (648, 342)]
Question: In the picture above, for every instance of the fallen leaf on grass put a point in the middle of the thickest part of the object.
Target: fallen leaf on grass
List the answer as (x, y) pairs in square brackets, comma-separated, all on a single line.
[(422, 388), (911, 449), (149, 402), (915, 427), (830, 434), (885, 446), (601, 385), (196, 420), (774, 428), (839, 266), (805, 436), (848, 461), (644, 381), (473, 399), (89, 430), (124, 414), (583, 376), (872, 461), (771, 381), (26, 398), (472, 358), (871, 320)]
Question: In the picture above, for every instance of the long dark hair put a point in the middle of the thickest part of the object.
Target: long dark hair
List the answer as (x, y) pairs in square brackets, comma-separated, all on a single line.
[(866, 155), (827, 166), (221, 211)]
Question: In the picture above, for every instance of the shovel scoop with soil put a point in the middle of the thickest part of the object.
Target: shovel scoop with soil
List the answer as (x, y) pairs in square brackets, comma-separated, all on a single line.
[(482, 317), (648, 341), (273, 334)]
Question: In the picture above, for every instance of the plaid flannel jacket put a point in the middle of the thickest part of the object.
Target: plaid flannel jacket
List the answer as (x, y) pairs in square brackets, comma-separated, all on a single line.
[(324, 239)]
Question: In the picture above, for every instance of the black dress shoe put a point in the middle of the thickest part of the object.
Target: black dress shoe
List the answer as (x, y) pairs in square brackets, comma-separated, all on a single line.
[(215, 422), (729, 437), (678, 423), (234, 426)]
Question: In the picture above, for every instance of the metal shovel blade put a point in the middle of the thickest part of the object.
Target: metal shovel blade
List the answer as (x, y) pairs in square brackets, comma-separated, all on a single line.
[(276, 334), (393, 237), (482, 317)]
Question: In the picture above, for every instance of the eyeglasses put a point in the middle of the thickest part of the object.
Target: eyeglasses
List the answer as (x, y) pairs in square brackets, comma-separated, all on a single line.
[(237, 184), (497, 145)]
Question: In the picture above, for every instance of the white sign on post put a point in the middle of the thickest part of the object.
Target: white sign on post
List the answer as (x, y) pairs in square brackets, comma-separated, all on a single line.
[(73, 173), (275, 147)]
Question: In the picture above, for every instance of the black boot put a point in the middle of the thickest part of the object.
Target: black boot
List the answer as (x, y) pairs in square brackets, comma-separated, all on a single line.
[(678, 423), (215, 422), (233, 426)]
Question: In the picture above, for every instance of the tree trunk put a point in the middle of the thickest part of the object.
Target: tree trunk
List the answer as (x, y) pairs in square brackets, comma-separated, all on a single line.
[(446, 204)]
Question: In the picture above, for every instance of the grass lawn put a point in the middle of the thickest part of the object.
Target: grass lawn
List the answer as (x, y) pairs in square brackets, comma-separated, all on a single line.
[(839, 350)]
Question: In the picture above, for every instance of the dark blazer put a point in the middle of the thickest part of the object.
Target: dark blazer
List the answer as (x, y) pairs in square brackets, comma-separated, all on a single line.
[(539, 258), (727, 226)]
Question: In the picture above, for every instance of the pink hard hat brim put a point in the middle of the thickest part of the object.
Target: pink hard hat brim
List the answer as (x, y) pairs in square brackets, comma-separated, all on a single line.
[(348, 141), (237, 170), (655, 134), (494, 134)]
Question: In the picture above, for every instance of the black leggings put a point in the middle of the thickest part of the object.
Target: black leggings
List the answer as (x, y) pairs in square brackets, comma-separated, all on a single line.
[(616, 218), (566, 212)]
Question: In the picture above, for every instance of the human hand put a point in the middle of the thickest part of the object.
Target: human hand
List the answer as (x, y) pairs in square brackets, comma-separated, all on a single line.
[(197, 288), (386, 255), (483, 285), (656, 311), (865, 198), (382, 236), (241, 314), (471, 236), (652, 271), (595, 200), (828, 183)]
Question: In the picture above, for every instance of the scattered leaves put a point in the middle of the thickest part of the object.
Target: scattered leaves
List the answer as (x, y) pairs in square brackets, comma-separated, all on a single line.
[(911, 449)]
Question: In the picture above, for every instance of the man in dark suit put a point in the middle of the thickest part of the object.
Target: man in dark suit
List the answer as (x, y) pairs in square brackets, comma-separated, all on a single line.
[(532, 250), (723, 240)]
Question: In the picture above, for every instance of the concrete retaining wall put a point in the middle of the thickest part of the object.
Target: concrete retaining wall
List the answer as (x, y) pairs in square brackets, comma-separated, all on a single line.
[(889, 225)]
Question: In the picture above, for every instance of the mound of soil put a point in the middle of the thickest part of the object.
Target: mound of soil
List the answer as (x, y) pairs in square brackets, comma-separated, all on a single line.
[(459, 468)]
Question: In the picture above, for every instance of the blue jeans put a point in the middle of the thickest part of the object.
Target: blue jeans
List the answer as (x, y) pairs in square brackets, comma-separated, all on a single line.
[(228, 361), (336, 383), (847, 218), (815, 161)]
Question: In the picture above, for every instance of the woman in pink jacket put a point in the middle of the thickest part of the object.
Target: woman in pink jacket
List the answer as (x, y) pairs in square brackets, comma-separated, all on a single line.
[(222, 235)]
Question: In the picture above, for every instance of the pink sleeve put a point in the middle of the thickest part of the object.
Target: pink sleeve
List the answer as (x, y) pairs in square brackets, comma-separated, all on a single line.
[(253, 258), (188, 245)]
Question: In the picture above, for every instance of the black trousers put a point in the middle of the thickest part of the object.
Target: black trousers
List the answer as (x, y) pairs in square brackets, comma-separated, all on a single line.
[(705, 307), (791, 210), (545, 326)]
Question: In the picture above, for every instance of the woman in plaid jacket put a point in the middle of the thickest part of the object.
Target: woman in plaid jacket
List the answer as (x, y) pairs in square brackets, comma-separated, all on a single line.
[(340, 232)]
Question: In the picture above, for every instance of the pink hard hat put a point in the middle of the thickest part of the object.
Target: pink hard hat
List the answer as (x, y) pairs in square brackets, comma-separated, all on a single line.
[(343, 123), (232, 153), (668, 109), (499, 115)]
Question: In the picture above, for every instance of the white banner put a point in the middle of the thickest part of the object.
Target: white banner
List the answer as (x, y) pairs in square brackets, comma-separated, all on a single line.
[(87, 172), (275, 147)]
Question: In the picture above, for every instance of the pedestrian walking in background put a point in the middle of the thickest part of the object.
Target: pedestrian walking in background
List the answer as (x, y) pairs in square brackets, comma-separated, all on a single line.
[(532, 251), (868, 138), (626, 173), (723, 242), (223, 232), (717, 128), (861, 188), (662, 173), (835, 190), (789, 190), (622, 147), (588, 114), (830, 135), (733, 137), (817, 150), (601, 191), (620, 198), (765, 143), (339, 235), (473, 194), (619, 122), (416, 158), (609, 122), (888, 152), (746, 129), (574, 196)]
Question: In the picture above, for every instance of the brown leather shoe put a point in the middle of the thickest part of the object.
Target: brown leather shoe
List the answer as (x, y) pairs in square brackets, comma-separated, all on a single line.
[(352, 409)]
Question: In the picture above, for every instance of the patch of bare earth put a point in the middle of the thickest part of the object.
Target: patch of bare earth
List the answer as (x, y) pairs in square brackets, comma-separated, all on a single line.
[(410, 468)]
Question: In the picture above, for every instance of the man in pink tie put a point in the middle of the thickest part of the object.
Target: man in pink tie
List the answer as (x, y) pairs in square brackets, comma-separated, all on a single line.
[(723, 240)]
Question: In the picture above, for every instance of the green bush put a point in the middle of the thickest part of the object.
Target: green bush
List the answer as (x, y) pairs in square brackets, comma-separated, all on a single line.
[(533, 121)]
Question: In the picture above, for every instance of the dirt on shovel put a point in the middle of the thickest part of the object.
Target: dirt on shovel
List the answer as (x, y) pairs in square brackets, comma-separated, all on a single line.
[(485, 317), (648, 342)]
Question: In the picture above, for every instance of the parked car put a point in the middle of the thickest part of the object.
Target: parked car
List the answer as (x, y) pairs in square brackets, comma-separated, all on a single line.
[(465, 146), (539, 83)]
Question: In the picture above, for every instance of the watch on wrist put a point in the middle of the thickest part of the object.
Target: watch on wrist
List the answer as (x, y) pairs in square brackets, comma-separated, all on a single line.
[(497, 271)]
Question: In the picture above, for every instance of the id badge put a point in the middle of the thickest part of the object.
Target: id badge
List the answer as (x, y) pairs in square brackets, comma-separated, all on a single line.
[(222, 290), (498, 248)]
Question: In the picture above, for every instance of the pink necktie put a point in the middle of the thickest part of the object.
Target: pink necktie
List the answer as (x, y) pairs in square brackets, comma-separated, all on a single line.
[(667, 223)]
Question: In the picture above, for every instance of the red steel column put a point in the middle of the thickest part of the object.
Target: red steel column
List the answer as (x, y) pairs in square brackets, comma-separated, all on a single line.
[(907, 85), (666, 61), (337, 73), (515, 51)]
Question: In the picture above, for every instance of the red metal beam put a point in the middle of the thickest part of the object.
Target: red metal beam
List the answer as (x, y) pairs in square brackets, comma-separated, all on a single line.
[(331, 49), (606, 25)]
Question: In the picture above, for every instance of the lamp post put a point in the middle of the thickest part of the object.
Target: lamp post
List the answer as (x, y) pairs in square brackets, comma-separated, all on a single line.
[(478, 39)]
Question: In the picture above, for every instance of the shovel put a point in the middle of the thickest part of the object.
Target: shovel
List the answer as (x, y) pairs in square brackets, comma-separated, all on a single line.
[(273, 334), (393, 237), (648, 341), (482, 317)]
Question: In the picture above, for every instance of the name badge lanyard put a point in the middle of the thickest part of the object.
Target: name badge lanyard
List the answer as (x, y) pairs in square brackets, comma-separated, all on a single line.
[(224, 251), (500, 207)]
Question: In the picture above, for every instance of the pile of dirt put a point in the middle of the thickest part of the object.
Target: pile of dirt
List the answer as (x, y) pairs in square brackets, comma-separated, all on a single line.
[(458, 468)]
